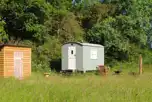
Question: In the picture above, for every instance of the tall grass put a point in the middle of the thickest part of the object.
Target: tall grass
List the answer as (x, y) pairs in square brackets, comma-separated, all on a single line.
[(78, 88)]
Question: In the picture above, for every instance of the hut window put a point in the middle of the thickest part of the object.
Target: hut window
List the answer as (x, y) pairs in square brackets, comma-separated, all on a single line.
[(71, 51)]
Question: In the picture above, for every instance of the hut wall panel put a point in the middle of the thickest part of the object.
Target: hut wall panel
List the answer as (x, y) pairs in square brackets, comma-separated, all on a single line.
[(1, 63), (9, 60)]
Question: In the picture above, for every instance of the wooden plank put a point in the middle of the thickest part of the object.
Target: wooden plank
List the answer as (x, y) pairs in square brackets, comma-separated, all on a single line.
[(12, 65), (7, 59), (26, 71), (12, 60), (10, 47), (12, 51), (12, 55), (16, 48), (26, 66), (25, 50), (7, 65), (26, 74), (27, 61), (2, 74)]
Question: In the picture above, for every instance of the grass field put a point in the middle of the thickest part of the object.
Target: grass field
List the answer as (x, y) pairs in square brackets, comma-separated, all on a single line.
[(78, 88)]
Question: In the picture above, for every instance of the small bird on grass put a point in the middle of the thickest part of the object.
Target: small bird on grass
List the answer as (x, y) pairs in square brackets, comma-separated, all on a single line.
[(117, 72), (133, 73)]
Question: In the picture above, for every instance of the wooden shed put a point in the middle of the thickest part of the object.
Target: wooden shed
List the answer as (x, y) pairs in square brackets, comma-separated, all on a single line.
[(15, 61)]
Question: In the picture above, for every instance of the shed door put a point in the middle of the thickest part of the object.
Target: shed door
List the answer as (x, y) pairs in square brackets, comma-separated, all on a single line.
[(72, 57), (18, 64)]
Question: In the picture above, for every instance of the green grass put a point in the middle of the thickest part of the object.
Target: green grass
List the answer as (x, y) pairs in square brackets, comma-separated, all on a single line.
[(78, 88)]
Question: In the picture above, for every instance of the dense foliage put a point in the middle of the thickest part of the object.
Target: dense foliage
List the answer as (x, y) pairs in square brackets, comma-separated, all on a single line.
[(123, 27)]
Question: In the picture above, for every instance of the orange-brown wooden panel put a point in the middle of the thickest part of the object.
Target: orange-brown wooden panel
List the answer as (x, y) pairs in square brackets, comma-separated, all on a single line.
[(8, 74), (12, 51), (11, 57), (26, 72), (21, 48), (2, 63), (27, 62), (9, 60), (27, 66), (12, 63), (25, 54), (1, 75), (12, 54), (9, 47), (16, 49)]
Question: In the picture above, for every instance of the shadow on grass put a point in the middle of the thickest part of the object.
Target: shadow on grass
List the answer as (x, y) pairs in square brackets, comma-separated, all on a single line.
[(56, 65)]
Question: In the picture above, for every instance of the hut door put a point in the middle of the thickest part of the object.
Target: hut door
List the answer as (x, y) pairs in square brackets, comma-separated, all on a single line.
[(18, 64), (72, 57)]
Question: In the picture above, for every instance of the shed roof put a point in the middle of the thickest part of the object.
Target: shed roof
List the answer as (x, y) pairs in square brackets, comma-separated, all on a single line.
[(85, 44), (11, 45)]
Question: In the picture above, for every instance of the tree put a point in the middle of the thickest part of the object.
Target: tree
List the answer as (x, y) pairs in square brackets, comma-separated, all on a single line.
[(121, 32), (3, 35)]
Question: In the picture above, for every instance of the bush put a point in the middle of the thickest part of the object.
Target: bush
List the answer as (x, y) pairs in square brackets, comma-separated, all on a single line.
[(40, 66)]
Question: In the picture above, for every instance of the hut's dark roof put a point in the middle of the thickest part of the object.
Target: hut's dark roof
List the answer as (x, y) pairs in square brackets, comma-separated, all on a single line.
[(11, 45)]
